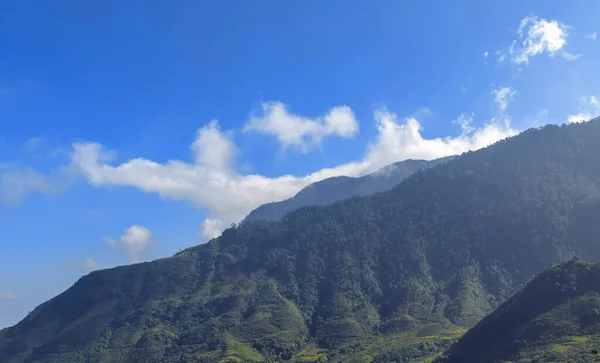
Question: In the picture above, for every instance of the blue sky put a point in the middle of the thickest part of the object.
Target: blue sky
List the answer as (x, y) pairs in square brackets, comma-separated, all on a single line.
[(130, 130)]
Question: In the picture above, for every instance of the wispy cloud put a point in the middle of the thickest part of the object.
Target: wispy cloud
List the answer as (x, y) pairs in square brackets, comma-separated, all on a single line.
[(17, 182), (90, 264), (570, 57), (7, 295), (503, 96), (537, 120), (86, 264), (500, 56), (42, 147), (34, 143), (538, 36), (592, 36), (589, 108)]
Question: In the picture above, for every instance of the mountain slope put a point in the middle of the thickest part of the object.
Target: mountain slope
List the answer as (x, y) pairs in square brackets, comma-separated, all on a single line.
[(555, 318), (395, 276), (334, 189)]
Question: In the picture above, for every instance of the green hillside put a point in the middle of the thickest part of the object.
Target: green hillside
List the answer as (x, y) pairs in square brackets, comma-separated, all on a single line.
[(555, 318), (396, 276)]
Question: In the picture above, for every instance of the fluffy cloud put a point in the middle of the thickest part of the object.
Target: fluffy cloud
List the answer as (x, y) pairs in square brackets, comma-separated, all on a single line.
[(538, 36), (7, 295), (502, 96), (302, 132), (589, 109), (485, 56), (213, 148), (17, 182), (135, 242), (228, 195), (211, 228)]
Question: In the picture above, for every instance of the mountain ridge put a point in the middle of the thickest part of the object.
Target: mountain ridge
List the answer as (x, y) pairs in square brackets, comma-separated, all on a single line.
[(395, 276), (331, 190)]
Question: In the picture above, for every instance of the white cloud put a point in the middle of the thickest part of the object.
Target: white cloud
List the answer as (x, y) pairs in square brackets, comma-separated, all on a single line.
[(589, 109), (302, 132), (211, 228), (485, 56), (17, 182), (592, 36), (400, 141), (538, 36), (7, 295), (570, 57), (465, 122), (579, 117), (228, 195), (502, 97), (135, 242), (213, 148)]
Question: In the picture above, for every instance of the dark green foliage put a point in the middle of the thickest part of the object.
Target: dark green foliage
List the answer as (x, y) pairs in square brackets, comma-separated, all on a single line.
[(392, 276), (556, 317), (334, 189)]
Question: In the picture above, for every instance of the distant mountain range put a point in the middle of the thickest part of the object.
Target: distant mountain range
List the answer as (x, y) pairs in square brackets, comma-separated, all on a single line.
[(331, 190), (396, 276)]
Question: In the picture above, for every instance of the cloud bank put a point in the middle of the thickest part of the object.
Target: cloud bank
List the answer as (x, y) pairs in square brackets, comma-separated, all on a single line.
[(211, 181)]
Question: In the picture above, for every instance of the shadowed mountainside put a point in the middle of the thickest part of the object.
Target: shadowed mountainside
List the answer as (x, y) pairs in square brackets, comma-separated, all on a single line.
[(555, 318), (334, 189)]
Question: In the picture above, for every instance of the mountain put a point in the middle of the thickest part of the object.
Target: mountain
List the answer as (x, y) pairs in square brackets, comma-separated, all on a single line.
[(331, 190), (396, 276), (555, 318)]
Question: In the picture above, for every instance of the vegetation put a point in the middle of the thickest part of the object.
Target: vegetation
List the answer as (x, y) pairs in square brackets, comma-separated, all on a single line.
[(555, 318), (395, 276), (334, 189)]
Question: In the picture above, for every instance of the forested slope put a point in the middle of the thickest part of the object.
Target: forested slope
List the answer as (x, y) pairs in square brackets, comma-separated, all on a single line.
[(391, 277), (555, 318), (334, 189)]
